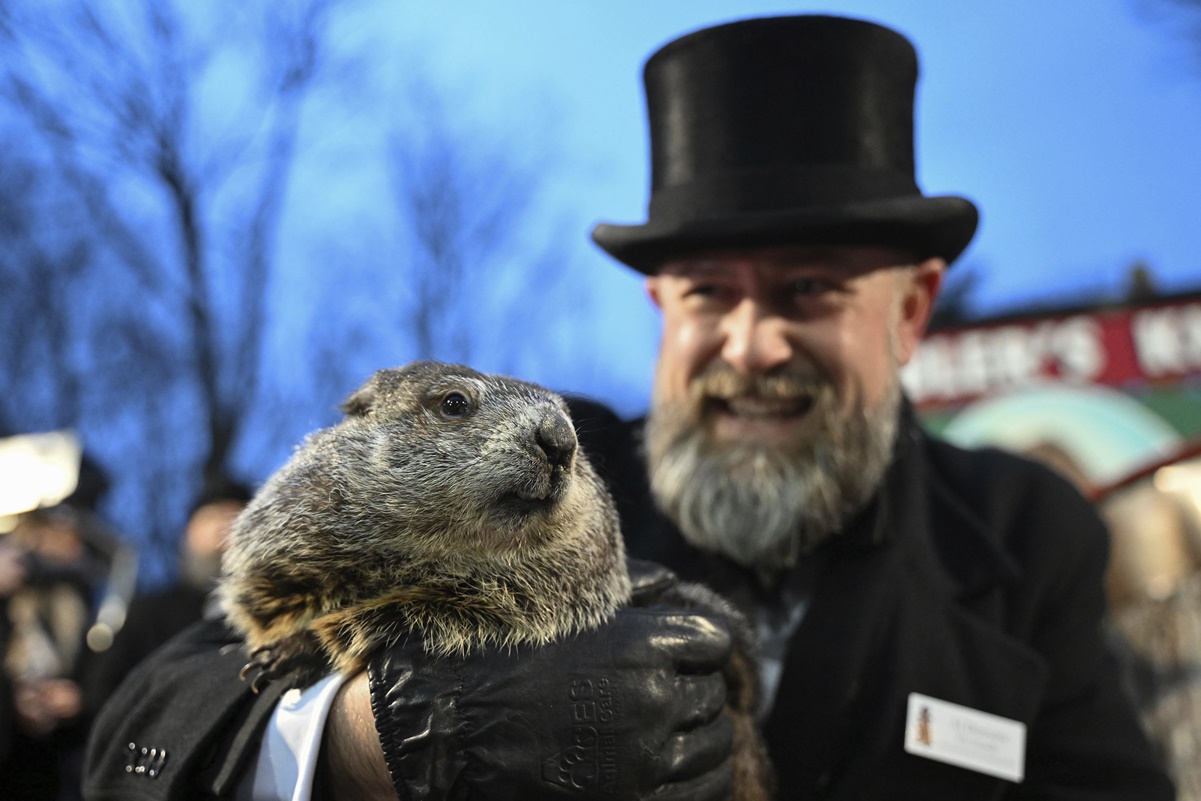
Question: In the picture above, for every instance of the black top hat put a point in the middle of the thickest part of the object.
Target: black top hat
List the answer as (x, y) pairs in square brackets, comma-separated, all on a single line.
[(785, 130)]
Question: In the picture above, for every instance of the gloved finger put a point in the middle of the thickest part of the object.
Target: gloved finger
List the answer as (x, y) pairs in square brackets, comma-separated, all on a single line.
[(715, 785), (699, 699), (648, 580), (694, 642), (693, 753)]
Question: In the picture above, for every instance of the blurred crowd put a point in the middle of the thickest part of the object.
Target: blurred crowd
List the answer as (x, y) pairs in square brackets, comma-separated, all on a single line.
[(72, 626)]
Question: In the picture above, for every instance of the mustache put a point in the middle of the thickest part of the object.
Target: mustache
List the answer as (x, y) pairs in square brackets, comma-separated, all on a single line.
[(722, 382)]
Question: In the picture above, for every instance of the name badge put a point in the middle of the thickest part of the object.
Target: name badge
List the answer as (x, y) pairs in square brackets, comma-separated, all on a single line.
[(965, 737)]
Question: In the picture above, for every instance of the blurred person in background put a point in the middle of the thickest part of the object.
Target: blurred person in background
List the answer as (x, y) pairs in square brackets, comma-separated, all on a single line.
[(55, 562), (155, 617)]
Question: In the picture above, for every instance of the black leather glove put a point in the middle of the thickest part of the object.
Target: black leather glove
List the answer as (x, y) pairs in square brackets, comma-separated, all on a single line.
[(631, 710)]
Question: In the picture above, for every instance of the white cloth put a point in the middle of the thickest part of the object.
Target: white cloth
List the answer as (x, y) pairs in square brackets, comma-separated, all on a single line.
[(286, 762)]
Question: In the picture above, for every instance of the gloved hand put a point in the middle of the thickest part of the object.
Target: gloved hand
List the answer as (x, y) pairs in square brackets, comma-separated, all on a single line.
[(627, 711)]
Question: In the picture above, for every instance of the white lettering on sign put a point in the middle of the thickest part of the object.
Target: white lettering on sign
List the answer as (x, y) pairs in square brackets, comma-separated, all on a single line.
[(982, 361), (1168, 341)]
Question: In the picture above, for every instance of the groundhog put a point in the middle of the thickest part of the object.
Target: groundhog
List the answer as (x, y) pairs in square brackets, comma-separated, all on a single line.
[(448, 503), (451, 505)]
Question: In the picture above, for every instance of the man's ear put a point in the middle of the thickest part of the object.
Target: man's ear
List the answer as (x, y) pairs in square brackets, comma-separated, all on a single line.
[(918, 293), (653, 290)]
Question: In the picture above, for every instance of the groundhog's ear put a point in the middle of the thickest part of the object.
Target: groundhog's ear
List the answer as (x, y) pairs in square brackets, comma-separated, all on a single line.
[(360, 401)]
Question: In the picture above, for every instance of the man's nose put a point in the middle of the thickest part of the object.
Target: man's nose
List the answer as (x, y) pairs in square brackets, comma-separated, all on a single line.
[(755, 341)]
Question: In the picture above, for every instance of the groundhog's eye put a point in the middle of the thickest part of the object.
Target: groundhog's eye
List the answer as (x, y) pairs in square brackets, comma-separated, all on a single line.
[(455, 405)]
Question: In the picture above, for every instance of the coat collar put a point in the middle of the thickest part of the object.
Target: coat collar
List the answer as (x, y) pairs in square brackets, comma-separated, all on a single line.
[(968, 547), (917, 499)]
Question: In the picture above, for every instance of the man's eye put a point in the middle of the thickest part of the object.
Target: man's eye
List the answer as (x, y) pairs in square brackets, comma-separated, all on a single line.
[(709, 293), (807, 286), (455, 405)]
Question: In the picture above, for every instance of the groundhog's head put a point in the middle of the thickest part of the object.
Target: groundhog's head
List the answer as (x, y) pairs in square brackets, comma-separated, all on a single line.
[(511, 444), (438, 461), (449, 503)]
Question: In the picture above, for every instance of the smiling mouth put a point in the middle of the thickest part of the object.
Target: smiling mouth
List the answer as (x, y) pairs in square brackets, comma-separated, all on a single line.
[(761, 410)]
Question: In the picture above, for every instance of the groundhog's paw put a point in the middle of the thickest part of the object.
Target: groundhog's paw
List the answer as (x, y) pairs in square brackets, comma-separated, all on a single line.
[(261, 668)]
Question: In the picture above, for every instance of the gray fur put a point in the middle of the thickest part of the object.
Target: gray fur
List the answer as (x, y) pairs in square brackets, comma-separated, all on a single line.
[(410, 518)]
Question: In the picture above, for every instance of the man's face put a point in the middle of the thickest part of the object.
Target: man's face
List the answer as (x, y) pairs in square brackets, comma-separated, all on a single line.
[(836, 310), (777, 388)]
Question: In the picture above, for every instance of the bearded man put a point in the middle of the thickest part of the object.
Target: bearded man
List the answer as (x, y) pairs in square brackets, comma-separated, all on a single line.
[(930, 617), (899, 585)]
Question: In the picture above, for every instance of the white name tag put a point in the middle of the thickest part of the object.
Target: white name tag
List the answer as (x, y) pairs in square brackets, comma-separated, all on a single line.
[(966, 737)]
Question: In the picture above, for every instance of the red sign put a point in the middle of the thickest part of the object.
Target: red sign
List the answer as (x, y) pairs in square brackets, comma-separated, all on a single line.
[(1132, 345)]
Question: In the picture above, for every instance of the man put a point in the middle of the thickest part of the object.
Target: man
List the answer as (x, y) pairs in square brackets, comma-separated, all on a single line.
[(796, 263), (930, 617)]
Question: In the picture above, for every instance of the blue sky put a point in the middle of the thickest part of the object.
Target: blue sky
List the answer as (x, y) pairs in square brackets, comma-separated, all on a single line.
[(1075, 125)]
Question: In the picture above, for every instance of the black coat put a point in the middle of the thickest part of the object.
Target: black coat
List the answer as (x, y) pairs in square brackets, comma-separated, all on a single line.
[(973, 577)]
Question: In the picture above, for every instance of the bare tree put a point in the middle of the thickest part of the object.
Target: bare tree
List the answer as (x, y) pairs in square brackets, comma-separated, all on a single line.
[(113, 90), (174, 176), (465, 193), (39, 368), (1180, 17), (168, 131)]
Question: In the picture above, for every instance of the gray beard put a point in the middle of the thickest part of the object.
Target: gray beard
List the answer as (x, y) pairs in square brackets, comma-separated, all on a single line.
[(764, 506)]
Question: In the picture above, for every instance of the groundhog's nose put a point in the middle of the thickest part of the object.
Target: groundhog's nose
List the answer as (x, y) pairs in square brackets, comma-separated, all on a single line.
[(556, 438)]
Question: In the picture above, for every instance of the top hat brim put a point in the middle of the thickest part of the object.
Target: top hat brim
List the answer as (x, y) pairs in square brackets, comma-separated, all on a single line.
[(939, 226)]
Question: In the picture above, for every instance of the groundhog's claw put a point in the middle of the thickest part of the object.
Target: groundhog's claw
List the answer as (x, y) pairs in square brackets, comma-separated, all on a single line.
[(265, 661)]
